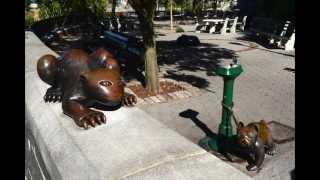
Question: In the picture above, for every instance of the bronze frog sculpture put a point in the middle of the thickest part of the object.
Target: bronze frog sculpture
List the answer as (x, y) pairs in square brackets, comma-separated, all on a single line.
[(257, 139), (251, 143), (80, 80)]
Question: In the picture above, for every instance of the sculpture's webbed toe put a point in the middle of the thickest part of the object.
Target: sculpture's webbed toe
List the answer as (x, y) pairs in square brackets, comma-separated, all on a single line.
[(93, 119), (53, 95), (129, 100)]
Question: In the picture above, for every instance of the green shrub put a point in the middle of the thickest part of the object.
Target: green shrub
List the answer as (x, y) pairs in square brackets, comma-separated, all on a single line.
[(50, 10), (57, 8), (28, 20)]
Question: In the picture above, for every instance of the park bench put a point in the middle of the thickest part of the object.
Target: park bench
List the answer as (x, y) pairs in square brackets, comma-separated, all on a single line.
[(128, 48), (212, 25), (275, 33), (241, 25), (229, 25), (125, 42)]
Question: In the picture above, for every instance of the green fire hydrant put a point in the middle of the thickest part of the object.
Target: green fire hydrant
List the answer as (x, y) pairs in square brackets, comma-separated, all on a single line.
[(229, 74)]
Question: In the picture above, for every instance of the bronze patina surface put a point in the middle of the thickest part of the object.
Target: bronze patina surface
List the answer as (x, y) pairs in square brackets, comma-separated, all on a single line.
[(80, 80)]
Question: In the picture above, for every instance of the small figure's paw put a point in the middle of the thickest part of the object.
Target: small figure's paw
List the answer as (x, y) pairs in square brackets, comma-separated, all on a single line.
[(252, 167), (93, 119), (53, 95), (271, 150), (129, 100)]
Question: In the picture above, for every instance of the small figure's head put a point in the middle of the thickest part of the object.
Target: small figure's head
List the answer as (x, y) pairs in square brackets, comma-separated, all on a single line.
[(246, 135), (47, 68), (103, 85)]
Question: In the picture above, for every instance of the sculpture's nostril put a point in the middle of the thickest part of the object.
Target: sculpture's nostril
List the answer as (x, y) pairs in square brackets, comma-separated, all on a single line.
[(121, 83)]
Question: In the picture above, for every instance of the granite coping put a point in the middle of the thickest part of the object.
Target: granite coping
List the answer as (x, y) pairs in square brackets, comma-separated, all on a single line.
[(132, 145)]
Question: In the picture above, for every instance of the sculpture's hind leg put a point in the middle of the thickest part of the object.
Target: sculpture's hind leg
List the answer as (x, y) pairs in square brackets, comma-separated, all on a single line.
[(47, 68)]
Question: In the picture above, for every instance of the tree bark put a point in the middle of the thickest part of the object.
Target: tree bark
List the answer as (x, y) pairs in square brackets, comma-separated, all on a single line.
[(113, 15), (150, 56), (171, 17), (152, 80), (145, 11)]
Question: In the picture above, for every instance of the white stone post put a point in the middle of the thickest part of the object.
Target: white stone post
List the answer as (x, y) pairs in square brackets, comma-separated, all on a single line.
[(243, 23), (196, 28), (234, 25), (224, 27), (212, 29), (289, 46)]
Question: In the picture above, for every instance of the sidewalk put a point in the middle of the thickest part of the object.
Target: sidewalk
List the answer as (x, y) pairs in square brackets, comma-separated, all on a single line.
[(265, 90)]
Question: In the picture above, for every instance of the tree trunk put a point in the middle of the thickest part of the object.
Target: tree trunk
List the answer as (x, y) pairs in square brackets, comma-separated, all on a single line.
[(145, 11), (151, 69), (171, 17), (113, 15), (150, 57)]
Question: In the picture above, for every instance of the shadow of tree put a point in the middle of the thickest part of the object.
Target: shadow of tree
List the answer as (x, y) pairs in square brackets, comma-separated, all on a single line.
[(202, 58), (183, 59), (191, 79)]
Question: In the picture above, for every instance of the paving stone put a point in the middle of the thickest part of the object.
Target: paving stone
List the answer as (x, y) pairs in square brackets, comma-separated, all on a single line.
[(141, 101), (187, 93), (149, 100), (167, 97), (161, 98), (179, 94), (173, 95), (155, 99)]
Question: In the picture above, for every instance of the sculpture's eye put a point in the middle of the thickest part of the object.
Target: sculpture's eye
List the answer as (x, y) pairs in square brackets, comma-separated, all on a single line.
[(105, 83)]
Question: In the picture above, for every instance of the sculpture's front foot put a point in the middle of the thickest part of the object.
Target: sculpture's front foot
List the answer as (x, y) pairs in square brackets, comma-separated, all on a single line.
[(53, 94), (92, 118), (129, 99), (253, 167), (271, 150)]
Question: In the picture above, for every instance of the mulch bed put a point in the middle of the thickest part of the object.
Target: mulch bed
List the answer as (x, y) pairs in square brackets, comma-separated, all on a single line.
[(165, 88)]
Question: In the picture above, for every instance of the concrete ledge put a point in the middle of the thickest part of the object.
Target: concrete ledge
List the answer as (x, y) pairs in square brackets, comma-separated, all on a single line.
[(132, 145)]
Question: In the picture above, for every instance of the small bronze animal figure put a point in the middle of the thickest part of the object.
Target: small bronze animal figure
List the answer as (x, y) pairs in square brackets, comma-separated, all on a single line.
[(255, 139), (80, 80)]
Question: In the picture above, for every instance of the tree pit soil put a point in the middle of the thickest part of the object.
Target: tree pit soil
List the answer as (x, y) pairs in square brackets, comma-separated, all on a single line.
[(165, 88)]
